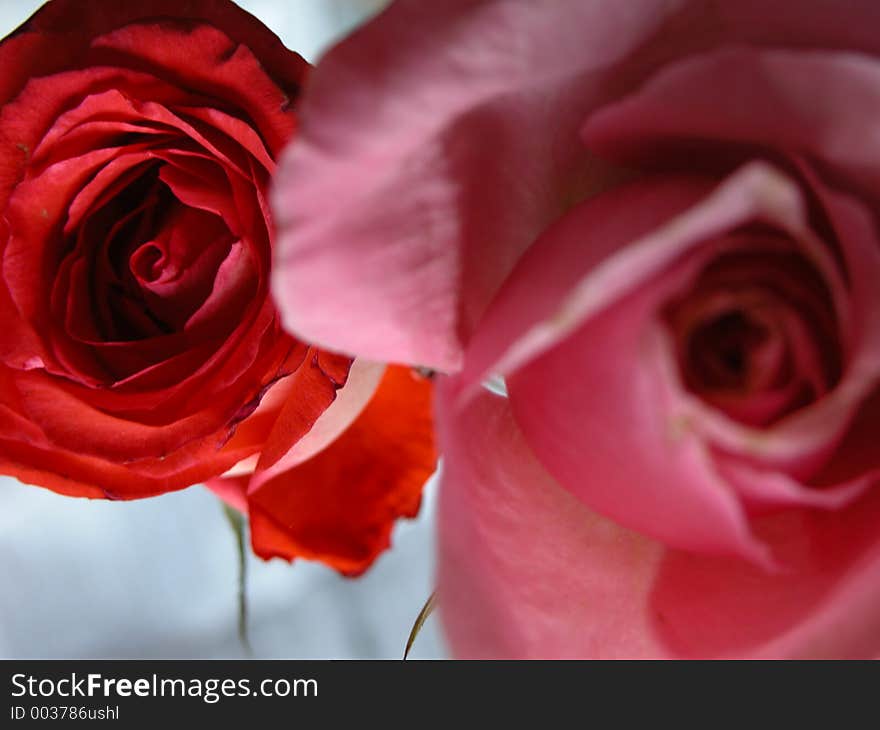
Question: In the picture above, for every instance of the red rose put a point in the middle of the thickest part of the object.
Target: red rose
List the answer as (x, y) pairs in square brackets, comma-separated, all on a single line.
[(140, 351)]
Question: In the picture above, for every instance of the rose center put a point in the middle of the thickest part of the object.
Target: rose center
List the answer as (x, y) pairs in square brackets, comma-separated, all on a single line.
[(720, 351), (755, 335), (162, 258), (146, 262)]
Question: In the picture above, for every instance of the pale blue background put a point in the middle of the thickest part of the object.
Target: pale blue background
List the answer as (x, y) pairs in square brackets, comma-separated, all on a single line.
[(157, 578)]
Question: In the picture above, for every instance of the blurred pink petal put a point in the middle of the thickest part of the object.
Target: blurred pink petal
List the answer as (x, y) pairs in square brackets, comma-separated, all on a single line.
[(527, 571), (379, 203), (813, 104), (439, 139)]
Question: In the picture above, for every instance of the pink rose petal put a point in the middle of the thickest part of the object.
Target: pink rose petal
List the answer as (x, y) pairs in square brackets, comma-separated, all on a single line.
[(527, 571)]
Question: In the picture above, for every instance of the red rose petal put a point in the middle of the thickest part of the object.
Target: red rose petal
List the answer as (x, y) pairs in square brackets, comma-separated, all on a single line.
[(340, 505)]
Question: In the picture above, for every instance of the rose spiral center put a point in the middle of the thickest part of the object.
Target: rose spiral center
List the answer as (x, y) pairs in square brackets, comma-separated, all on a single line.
[(756, 335), (724, 353)]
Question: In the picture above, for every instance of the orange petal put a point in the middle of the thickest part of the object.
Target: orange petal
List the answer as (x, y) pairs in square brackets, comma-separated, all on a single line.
[(339, 506)]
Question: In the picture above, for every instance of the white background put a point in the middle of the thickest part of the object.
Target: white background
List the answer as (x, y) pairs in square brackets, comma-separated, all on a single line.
[(157, 578)]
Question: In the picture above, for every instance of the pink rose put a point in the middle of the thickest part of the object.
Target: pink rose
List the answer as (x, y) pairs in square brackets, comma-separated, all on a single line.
[(687, 464)]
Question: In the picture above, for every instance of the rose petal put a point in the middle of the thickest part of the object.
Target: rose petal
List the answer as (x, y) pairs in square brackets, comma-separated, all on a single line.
[(317, 391), (430, 226), (459, 149), (339, 505), (304, 413), (57, 36), (527, 571), (813, 104), (590, 334), (232, 489), (619, 239), (23, 445)]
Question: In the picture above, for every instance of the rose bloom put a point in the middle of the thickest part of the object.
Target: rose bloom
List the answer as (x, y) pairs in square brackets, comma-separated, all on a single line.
[(687, 461), (140, 351)]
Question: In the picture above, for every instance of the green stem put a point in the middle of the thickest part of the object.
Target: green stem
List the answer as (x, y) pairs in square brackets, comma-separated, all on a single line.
[(237, 523)]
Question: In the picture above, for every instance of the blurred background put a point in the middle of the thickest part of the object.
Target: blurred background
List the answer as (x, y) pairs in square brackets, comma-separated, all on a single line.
[(158, 577)]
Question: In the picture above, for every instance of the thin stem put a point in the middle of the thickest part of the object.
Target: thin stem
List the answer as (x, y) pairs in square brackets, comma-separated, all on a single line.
[(426, 611), (237, 523)]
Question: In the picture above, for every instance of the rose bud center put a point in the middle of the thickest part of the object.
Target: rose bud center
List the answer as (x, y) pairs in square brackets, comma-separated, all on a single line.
[(755, 334)]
